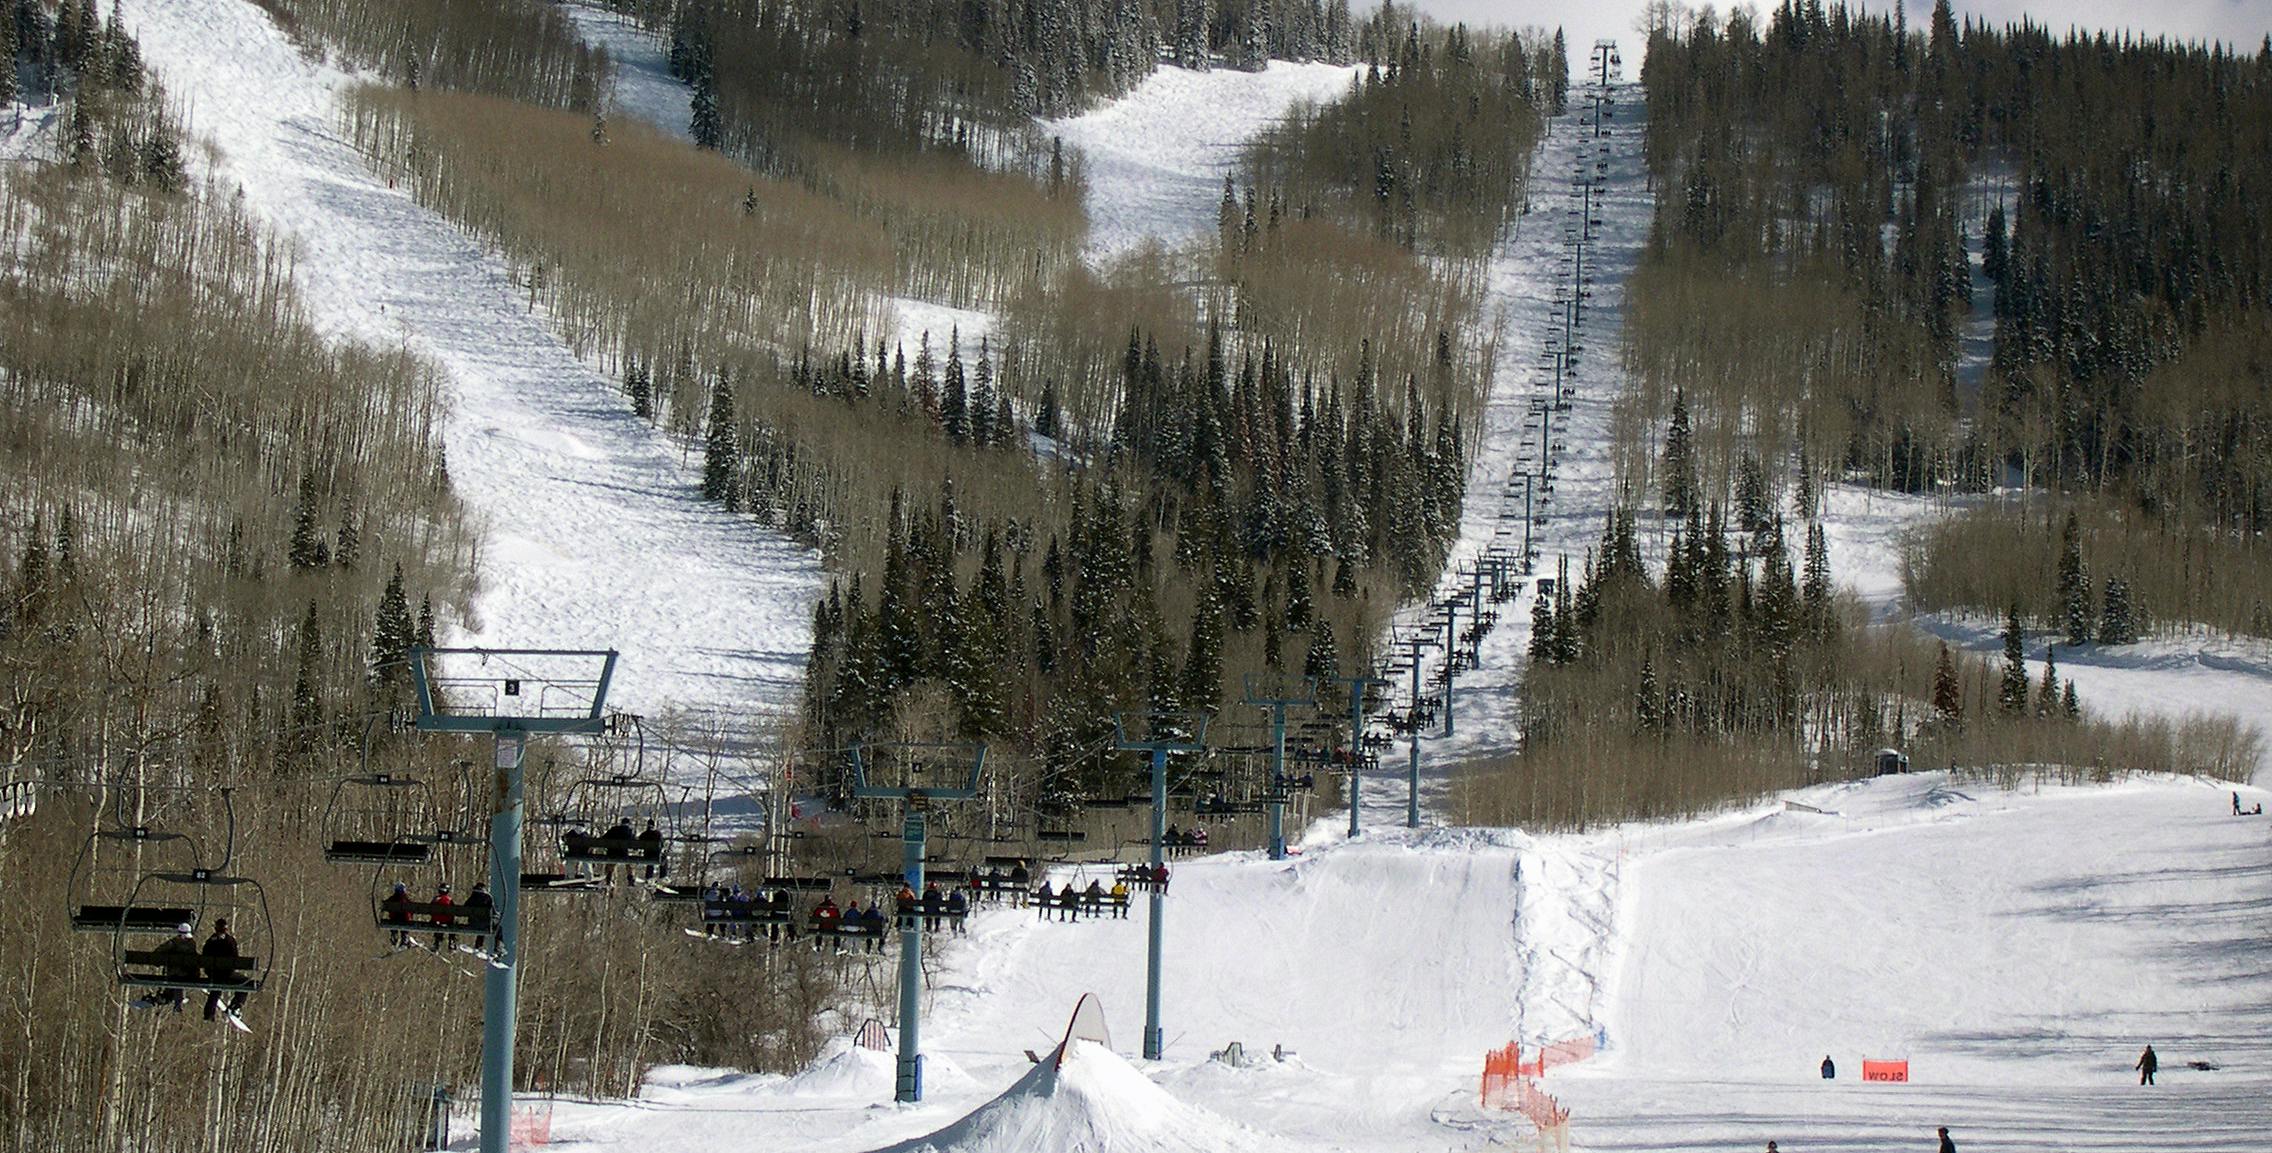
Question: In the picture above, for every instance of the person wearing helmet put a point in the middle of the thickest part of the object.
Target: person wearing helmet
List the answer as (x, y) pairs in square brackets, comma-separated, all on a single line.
[(180, 953), (443, 903), (477, 907), (958, 911), (395, 910)]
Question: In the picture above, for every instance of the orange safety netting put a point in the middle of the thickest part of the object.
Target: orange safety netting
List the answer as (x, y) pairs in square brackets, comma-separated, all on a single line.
[(532, 1125)]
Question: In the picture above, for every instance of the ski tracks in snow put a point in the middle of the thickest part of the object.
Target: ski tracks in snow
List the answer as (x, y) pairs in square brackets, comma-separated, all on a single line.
[(595, 533)]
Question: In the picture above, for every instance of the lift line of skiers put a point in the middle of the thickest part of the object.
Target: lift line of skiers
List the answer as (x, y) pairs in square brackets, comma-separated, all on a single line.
[(734, 914)]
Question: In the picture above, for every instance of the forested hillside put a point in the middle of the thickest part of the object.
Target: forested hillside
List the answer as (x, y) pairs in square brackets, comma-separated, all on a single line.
[(1832, 178), (1140, 486)]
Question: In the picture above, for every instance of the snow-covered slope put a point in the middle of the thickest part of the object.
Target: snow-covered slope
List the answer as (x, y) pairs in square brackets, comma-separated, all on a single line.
[(1157, 157), (2018, 949), (644, 87), (595, 532)]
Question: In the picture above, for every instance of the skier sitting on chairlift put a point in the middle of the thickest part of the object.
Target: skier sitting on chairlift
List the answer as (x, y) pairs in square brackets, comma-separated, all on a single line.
[(1120, 899), (395, 910), (478, 904), (1160, 878), (826, 917), (222, 946), (958, 910), (1093, 897), (934, 906), (180, 952), (1043, 898), (617, 837), (1018, 878), (445, 902), (872, 924), (781, 922), (651, 847)]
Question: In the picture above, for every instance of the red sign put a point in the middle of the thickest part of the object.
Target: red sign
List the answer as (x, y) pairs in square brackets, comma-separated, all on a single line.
[(1896, 1072)]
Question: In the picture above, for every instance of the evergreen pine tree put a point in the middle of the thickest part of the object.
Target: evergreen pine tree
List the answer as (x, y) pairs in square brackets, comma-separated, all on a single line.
[(1754, 506), (1203, 659), (639, 383), (1680, 461), (307, 549), (1299, 611), (425, 636), (1648, 699), (1324, 659), (954, 399), (349, 546), (982, 397), (2070, 705), (2012, 696), (2117, 623), (8, 89), (721, 451), (2074, 583), (393, 633), (704, 125), (1948, 694), (1818, 613), (2047, 694), (1542, 631)]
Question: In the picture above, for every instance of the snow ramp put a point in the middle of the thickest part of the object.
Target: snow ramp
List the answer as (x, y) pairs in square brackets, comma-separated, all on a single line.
[(1088, 1100)]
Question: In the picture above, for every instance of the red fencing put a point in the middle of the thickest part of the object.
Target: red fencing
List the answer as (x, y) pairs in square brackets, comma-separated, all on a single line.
[(1508, 1085)]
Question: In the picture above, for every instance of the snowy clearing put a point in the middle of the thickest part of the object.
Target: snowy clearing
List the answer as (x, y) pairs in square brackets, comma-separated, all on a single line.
[(596, 534), (644, 87), (2017, 948), (1157, 157)]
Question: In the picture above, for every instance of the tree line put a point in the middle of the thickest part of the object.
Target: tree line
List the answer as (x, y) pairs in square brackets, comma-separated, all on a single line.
[(1830, 182)]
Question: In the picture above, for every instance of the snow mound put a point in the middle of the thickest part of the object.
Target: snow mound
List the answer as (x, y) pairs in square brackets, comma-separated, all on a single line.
[(1092, 1102), (849, 1071)]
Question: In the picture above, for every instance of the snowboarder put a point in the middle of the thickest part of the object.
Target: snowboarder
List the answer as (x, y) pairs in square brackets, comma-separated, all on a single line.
[(477, 906), (2147, 1063), (1947, 1146), (395, 910), (222, 946), (1829, 1071), (651, 847), (180, 952)]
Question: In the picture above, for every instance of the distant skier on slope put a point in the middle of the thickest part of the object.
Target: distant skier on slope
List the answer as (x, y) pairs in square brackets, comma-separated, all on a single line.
[(1947, 1146), (1829, 1071), (2147, 1063)]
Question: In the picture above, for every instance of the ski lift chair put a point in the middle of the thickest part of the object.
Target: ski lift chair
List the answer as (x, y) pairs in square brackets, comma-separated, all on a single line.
[(209, 896), (103, 893), (379, 819)]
